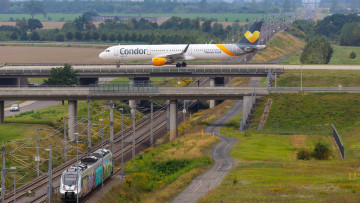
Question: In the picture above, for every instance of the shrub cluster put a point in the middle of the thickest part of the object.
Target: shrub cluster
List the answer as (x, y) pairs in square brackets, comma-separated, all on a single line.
[(321, 152)]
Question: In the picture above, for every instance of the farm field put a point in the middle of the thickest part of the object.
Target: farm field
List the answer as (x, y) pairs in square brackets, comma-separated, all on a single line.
[(63, 17), (339, 57), (61, 55)]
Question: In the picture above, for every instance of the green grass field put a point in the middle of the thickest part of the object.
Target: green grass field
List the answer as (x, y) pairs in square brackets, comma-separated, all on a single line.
[(319, 78), (18, 131), (268, 171), (339, 57), (49, 115), (232, 17)]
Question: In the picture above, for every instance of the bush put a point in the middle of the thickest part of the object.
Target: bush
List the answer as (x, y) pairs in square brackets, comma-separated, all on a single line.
[(60, 38), (317, 51), (14, 36), (352, 55), (303, 154), (321, 151), (35, 36), (170, 167)]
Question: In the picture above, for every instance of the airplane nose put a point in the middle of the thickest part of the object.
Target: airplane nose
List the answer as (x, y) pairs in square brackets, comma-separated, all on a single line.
[(102, 55)]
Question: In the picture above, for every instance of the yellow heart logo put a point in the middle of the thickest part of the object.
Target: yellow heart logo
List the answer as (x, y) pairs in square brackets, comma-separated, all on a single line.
[(252, 37)]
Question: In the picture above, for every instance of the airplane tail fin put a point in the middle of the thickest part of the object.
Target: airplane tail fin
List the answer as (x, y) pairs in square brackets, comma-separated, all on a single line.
[(251, 36)]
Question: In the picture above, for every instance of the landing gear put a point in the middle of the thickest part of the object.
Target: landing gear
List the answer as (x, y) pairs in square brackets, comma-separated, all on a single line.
[(117, 64), (183, 64)]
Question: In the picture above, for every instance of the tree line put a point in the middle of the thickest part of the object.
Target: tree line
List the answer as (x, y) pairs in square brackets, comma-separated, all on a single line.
[(340, 28), (155, 6), (174, 30)]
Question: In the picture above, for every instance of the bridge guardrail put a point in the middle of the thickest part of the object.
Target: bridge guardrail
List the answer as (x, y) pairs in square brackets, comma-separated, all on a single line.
[(111, 88), (152, 70), (314, 89)]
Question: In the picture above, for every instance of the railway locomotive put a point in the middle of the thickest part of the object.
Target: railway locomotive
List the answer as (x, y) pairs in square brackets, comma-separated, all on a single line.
[(84, 176)]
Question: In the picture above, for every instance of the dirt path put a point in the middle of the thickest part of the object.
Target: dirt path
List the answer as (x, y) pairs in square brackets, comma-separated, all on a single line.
[(223, 162)]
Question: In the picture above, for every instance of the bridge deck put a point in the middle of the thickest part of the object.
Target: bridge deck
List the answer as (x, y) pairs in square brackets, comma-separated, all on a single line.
[(135, 93), (146, 71)]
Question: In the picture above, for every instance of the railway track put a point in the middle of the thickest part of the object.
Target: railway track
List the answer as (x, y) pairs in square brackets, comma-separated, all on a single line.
[(43, 179), (142, 134)]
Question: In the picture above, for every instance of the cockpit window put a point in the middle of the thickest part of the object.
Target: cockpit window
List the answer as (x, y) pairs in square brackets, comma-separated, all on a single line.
[(107, 50), (70, 179)]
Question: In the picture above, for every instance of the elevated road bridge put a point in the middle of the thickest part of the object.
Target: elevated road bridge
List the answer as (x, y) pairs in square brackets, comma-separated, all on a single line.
[(126, 92), (210, 70)]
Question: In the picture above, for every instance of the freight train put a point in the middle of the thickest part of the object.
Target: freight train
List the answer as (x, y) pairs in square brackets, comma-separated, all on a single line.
[(84, 176)]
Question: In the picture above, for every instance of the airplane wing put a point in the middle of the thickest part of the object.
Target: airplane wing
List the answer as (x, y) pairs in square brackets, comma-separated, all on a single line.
[(177, 56)]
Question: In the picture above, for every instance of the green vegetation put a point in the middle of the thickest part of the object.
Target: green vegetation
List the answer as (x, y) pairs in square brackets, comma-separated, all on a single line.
[(18, 131), (352, 55), (64, 17), (339, 57), (157, 7), (151, 171), (268, 168), (319, 78), (282, 44), (317, 51), (349, 34), (313, 114), (21, 129), (36, 80), (301, 112), (159, 174), (62, 76), (331, 26), (174, 30)]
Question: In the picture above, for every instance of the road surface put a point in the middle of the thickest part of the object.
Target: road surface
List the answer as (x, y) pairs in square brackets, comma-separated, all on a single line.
[(31, 106)]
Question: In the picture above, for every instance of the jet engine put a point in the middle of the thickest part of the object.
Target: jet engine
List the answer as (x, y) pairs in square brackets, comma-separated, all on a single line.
[(161, 61)]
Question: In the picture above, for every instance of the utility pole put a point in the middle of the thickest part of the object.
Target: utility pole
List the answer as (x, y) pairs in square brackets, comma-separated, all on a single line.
[(151, 124), (37, 158), (65, 157), (133, 111), (89, 128), (122, 143), (111, 127), (102, 157), (301, 78), (50, 175), (14, 169), (77, 169), (184, 111), (3, 173)]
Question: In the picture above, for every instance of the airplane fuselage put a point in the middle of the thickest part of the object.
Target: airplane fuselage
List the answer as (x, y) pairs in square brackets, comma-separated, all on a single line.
[(125, 53)]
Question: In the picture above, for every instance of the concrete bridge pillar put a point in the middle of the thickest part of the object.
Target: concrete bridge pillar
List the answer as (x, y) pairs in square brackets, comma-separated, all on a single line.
[(131, 84), (212, 84), (173, 119), (2, 112), (72, 120), (247, 106)]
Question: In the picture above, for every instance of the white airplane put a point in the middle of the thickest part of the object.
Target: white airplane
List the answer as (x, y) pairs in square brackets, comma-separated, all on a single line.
[(169, 54)]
